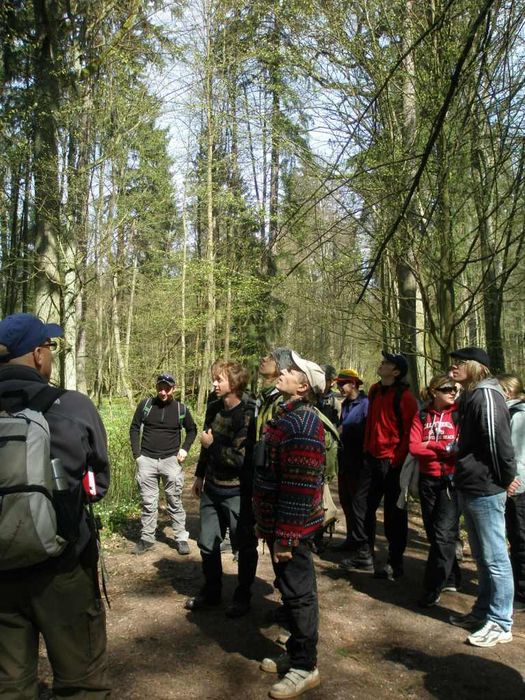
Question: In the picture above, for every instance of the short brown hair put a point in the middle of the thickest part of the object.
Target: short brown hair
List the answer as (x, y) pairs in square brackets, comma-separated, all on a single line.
[(237, 375)]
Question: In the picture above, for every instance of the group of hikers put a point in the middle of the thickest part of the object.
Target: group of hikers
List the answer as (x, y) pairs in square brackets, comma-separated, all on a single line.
[(263, 472)]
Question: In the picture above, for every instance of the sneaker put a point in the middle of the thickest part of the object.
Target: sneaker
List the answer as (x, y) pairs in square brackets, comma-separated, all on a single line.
[(358, 562), (468, 621), (295, 683), (143, 546), (278, 664), (182, 547), (489, 635), (201, 602), (428, 599), (392, 573), (238, 608)]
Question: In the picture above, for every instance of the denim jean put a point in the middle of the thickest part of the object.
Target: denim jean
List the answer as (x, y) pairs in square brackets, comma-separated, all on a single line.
[(485, 522)]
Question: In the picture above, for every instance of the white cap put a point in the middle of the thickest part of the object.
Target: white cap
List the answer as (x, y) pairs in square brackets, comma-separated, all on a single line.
[(314, 374)]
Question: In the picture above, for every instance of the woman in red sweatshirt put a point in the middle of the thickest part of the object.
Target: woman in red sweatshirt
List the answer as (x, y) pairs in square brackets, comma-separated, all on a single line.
[(433, 441)]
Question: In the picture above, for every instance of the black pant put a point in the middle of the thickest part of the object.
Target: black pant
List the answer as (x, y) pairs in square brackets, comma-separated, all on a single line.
[(296, 582), (440, 511), (247, 547), (378, 479), (217, 512), (515, 520)]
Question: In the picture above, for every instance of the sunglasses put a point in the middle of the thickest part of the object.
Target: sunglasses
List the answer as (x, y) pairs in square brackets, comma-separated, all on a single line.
[(447, 389), (52, 345), (458, 363)]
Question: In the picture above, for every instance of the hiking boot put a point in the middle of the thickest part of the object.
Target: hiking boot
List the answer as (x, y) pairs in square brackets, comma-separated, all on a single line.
[(468, 621), (428, 599), (295, 683), (344, 546), (143, 546), (182, 547), (392, 573), (278, 664), (201, 602), (489, 635), (238, 608), (358, 562)]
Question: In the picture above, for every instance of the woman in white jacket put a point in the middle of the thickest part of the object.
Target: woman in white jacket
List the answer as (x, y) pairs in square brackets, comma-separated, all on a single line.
[(515, 507)]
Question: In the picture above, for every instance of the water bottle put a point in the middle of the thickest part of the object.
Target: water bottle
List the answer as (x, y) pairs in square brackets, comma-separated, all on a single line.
[(59, 475)]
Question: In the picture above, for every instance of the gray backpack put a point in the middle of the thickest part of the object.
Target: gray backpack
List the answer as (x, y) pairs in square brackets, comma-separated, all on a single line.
[(29, 528)]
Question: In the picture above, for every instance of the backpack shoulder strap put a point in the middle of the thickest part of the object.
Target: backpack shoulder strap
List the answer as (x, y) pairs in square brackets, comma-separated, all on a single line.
[(41, 401), (182, 412), (516, 408), (399, 391), (146, 409)]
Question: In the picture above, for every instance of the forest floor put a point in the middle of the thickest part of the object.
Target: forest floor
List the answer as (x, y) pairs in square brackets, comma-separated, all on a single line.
[(374, 641)]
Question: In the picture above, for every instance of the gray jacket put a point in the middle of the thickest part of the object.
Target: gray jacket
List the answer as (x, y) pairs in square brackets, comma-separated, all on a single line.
[(517, 431)]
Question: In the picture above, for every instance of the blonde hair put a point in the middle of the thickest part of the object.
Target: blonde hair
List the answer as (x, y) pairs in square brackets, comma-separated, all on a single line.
[(476, 373), (436, 381), (512, 386)]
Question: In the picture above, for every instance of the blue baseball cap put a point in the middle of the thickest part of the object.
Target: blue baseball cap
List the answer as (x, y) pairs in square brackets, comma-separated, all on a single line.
[(21, 333), (166, 378), (397, 359)]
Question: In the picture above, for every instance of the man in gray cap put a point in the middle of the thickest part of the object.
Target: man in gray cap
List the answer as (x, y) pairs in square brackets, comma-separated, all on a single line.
[(288, 509), (156, 442), (59, 596)]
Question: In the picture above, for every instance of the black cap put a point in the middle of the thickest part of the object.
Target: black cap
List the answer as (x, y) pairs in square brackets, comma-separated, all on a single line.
[(397, 359), (471, 353), (166, 378)]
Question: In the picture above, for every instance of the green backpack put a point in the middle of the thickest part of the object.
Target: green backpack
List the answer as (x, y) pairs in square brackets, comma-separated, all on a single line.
[(332, 443)]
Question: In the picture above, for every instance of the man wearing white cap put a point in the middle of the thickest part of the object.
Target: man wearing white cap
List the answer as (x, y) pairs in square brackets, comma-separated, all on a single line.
[(289, 511)]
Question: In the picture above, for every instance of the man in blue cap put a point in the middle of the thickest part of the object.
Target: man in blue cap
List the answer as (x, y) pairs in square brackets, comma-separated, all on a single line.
[(390, 413), (58, 597), (157, 446)]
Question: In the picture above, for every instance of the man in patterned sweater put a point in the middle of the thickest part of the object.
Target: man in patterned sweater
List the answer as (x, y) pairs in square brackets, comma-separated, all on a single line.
[(289, 511)]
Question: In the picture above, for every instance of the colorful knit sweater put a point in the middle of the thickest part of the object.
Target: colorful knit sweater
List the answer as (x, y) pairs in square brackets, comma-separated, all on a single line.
[(288, 490)]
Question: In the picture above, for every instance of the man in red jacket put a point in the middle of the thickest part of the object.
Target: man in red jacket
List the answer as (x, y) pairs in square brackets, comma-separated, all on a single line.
[(392, 407)]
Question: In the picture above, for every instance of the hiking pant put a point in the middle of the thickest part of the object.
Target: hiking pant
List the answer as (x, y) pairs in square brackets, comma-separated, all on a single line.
[(347, 483), (247, 547), (296, 582), (378, 479), (150, 471), (217, 512), (515, 522), (440, 511), (65, 608)]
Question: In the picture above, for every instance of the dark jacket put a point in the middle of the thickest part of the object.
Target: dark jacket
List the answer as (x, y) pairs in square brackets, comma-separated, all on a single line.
[(161, 435), (352, 423), (485, 461), (221, 464), (78, 438)]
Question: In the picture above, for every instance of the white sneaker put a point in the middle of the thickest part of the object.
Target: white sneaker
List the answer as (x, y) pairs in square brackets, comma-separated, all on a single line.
[(489, 635), (295, 683)]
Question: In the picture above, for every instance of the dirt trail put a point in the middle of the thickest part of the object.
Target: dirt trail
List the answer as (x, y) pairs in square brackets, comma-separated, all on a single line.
[(374, 641)]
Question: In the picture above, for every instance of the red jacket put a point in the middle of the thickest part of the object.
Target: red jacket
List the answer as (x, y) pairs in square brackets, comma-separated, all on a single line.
[(429, 439), (382, 435)]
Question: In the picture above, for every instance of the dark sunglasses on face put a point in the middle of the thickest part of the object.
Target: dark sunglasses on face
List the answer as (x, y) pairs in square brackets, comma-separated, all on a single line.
[(458, 363), (52, 345), (447, 389)]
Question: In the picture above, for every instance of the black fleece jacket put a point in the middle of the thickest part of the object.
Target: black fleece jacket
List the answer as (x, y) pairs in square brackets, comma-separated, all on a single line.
[(161, 436), (485, 461)]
